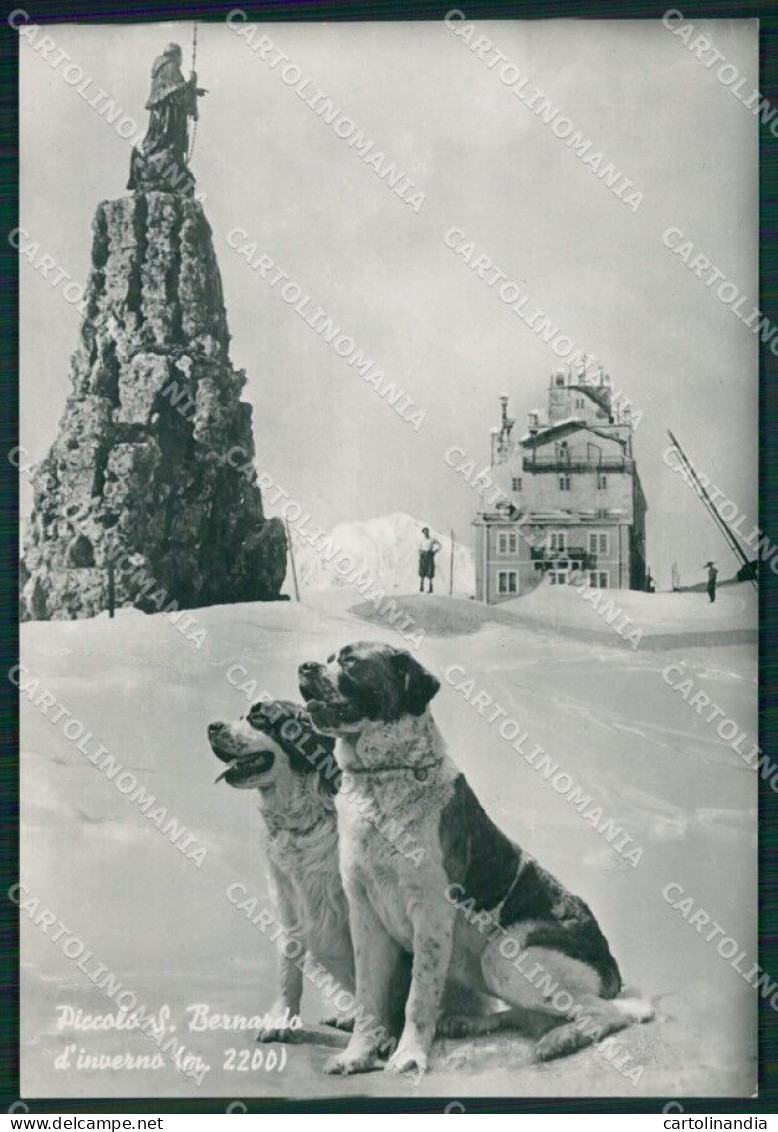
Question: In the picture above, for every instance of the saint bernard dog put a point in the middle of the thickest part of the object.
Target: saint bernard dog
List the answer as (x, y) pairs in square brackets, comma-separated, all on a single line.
[(529, 934), (272, 751), (276, 751)]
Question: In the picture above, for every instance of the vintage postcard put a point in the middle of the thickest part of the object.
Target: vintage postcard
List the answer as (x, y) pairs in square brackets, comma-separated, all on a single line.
[(390, 558)]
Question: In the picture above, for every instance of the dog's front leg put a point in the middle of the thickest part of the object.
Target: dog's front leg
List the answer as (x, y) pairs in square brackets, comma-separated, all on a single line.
[(276, 1023), (433, 940), (376, 955)]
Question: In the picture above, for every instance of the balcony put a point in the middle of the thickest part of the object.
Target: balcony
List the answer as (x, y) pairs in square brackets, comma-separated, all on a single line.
[(565, 465), (544, 558)]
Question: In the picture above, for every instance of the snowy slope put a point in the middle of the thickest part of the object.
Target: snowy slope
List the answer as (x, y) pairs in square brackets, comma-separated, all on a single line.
[(387, 549), (666, 618), (736, 607), (166, 929)]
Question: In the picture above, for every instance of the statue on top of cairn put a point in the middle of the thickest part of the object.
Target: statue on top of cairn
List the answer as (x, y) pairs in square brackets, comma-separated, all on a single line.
[(161, 162)]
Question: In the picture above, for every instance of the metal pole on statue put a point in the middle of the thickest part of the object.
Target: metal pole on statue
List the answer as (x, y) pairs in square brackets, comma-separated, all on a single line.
[(193, 80), (291, 558)]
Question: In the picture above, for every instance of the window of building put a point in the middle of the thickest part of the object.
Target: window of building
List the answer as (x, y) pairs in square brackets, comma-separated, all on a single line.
[(564, 483), (507, 542), (507, 582), (516, 483), (557, 577), (599, 579), (598, 542), (602, 481), (579, 402), (557, 540)]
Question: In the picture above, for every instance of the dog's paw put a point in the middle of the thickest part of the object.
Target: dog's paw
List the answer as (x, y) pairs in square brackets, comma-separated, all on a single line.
[(466, 1025), (280, 1024), (339, 1022), (559, 1043), (407, 1059), (346, 1063), (454, 1026)]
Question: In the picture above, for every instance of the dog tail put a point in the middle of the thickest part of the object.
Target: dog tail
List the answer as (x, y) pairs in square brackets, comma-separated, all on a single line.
[(634, 1009), (601, 1018)]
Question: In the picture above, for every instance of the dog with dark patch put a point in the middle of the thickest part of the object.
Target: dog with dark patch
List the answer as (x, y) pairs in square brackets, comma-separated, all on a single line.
[(276, 751), (524, 939)]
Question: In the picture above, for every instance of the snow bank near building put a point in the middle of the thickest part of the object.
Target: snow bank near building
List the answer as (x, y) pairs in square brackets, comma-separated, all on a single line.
[(624, 618), (665, 619)]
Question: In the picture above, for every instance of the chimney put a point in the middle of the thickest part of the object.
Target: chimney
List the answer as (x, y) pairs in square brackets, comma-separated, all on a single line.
[(534, 417), (506, 423)]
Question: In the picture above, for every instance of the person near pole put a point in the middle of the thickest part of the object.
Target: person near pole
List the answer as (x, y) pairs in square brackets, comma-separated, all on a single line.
[(711, 586)]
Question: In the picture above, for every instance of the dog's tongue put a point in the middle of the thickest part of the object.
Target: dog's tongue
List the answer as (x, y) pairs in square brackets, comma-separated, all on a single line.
[(226, 771)]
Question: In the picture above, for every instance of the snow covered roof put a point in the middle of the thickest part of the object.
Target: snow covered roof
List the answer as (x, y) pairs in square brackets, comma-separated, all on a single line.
[(547, 429), (568, 425)]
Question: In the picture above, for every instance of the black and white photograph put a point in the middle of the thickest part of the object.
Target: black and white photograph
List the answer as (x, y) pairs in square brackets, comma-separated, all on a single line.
[(390, 559)]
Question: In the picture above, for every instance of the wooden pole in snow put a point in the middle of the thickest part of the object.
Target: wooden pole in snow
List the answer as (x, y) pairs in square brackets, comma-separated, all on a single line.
[(451, 567), (291, 559), (111, 588)]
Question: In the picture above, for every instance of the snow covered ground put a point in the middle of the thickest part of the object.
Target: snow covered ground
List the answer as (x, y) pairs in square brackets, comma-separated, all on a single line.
[(735, 610), (164, 927)]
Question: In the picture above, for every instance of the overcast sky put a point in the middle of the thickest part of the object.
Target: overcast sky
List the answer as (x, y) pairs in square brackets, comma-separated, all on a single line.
[(486, 165)]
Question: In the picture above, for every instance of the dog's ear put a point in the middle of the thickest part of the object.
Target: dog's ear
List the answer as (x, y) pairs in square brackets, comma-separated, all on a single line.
[(417, 685), (308, 751), (266, 715)]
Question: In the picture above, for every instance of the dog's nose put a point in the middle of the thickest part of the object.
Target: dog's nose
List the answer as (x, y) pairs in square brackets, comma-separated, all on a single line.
[(308, 668), (215, 728)]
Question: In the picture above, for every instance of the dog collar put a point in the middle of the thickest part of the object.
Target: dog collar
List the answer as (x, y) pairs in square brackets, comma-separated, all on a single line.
[(277, 827), (420, 773)]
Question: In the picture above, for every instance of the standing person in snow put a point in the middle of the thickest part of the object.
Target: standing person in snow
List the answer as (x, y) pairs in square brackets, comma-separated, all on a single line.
[(711, 586), (428, 548)]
